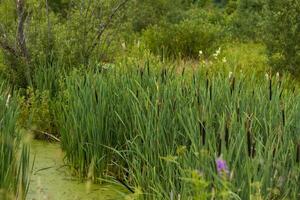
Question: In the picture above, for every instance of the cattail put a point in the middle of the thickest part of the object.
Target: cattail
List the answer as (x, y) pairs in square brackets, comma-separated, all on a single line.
[(219, 146), (270, 89), (238, 113), (207, 84), (183, 71), (96, 96), (283, 114), (84, 80), (174, 105), (250, 145), (162, 76), (298, 153), (198, 98), (194, 79), (227, 134), (148, 68), (274, 152), (293, 90), (202, 131), (165, 72), (210, 92), (232, 85), (280, 95), (141, 73)]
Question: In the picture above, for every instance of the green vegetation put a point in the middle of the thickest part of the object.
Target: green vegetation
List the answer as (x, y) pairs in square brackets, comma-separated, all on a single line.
[(193, 99), (14, 155), (161, 131)]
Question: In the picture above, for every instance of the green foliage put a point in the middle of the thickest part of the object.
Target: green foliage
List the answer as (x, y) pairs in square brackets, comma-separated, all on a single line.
[(147, 13), (14, 154), (185, 39), (283, 35), (157, 126), (246, 20), (51, 37), (151, 127), (59, 6), (249, 57), (35, 112)]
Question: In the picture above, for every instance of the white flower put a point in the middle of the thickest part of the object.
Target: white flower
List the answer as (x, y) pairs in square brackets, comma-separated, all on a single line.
[(200, 53), (224, 60), (278, 75), (123, 45), (267, 76), (7, 100), (217, 53), (230, 75)]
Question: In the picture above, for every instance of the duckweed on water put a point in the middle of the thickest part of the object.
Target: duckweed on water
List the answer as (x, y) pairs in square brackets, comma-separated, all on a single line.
[(51, 178)]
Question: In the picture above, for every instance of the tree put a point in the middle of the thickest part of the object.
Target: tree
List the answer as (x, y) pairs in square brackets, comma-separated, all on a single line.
[(283, 35), (43, 35), (18, 53)]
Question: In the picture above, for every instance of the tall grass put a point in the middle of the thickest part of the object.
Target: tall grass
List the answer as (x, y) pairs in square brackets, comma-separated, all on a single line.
[(14, 156), (160, 131)]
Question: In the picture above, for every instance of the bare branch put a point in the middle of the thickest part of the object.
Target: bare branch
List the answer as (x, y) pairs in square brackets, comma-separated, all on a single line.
[(103, 26), (21, 50), (8, 48)]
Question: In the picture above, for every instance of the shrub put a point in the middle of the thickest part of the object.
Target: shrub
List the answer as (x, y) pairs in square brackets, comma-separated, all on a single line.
[(283, 35), (36, 112), (185, 39), (246, 20)]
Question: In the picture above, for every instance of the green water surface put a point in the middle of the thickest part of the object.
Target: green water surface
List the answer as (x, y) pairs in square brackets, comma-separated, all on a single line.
[(51, 179)]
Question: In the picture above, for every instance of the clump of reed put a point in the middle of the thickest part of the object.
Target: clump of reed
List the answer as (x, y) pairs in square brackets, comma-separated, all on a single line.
[(164, 133), (14, 154)]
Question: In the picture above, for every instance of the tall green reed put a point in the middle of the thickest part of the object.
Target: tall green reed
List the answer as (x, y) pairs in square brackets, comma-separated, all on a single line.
[(160, 131), (14, 154)]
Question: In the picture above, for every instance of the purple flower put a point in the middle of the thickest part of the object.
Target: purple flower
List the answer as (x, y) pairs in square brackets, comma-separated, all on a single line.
[(222, 166)]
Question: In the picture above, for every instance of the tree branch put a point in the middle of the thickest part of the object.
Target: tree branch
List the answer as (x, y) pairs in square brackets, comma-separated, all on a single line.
[(103, 26), (21, 41), (6, 47)]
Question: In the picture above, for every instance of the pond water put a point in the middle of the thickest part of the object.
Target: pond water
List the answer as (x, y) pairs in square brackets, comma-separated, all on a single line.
[(51, 179)]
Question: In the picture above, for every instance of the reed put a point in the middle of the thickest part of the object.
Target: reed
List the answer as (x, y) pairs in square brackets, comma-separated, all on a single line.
[(161, 132), (14, 154)]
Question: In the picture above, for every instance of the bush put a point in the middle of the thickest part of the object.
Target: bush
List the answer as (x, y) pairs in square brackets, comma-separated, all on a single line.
[(185, 39), (35, 112), (246, 19), (283, 35), (51, 37)]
